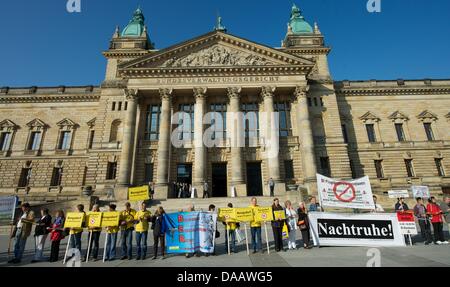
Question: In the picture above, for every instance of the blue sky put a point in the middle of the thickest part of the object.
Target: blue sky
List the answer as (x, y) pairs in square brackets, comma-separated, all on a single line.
[(44, 45)]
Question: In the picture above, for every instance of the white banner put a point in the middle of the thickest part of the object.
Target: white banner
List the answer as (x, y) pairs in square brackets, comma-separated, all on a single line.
[(398, 193), (7, 208), (420, 191), (341, 229), (346, 194)]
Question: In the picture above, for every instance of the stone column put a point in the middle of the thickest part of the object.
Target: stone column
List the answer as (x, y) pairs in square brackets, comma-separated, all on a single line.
[(199, 176), (306, 137), (162, 170), (126, 156), (236, 135), (272, 135)]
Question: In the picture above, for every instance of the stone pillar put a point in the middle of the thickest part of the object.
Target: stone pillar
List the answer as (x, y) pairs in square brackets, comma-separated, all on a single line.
[(306, 138), (162, 169), (126, 156), (199, 176), (272, 144), (235, 132)]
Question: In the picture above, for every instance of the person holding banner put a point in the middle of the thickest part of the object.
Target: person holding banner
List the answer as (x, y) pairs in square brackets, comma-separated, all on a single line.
[(255, 229), (56, 235), (142, 217), (401, 205), (22, 232), (75, 239), (377, 207), (303, 224), (291, 221), (420, 212), (159, 231), (94, 237), (435, 212), (126, 231), (277, 225), (111, 238), (40, 234)]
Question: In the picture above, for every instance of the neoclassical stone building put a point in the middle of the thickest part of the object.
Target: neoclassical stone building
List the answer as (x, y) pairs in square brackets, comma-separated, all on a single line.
[(55, 141)]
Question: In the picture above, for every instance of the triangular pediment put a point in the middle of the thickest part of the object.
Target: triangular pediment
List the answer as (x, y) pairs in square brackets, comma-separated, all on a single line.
[(398, 116), (7, 124), (427, 115), (215, 50), (369, 116), (66, 123), (37, 123), (91, 123)]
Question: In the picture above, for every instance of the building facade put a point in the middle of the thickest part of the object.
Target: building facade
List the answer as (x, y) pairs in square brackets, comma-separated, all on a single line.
[(58, 141)]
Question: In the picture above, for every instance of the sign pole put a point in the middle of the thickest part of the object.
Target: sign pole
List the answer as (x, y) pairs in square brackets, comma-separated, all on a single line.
[(67, 249), (267, 238), (228, 238), (106, 244), (410, 240), (246, 238), (89, 246)]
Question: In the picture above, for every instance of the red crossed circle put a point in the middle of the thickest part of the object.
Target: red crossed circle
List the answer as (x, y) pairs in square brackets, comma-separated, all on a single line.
[(342, 192)]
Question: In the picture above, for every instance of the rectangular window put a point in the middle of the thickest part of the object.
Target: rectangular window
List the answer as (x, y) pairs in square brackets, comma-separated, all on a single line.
[(439, 166), (119, 108), (379, 168), (409, 167), (25, 176), (113, 108), (219, 120), (35, 141), (400, 132), (283, 109), (126, 106), (344, 133), (325, 166), (186, 129), (309, 102), (56, 176), (5, 139), (289, 169), (64, 140), (152, 122), (91, 139), (429, 131), (371, 133), (148, 172), (251, 124), (111, 170)]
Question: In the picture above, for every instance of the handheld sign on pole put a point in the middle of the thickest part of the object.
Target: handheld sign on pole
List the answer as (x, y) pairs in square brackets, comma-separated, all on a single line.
[(73, 220), (109, 219), (407, 223), (246, 238), (104, 249), (420, 191), (227, 215), (264, 214), (245, 215), (398, 193), (94, 220), (139, 193)]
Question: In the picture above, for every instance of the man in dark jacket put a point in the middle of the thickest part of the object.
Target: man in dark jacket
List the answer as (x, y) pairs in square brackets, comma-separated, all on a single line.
[(40, 234)]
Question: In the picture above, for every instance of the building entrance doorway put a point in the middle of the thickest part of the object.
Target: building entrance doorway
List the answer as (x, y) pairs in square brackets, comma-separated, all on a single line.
[(254, 179), (219, 180)]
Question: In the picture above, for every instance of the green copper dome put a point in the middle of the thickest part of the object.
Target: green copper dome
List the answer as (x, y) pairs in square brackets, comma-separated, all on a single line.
[(297, 24), (136, 25)]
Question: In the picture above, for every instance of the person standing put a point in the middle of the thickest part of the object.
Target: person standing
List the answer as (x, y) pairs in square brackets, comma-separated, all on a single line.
[(56, 235), (291, 221), (75, 239), (230, 233), (314, 205), (255, 229), (95, 234), (205, 190), (436, 220), (271, 187), (126, 231), (420, 212), (377, 207), (159, 232), (445, 207), (212, 209), (23, 231), (40, 234), (111, 238), (142, 218), (303, 224), (277, 226), (401, 205)]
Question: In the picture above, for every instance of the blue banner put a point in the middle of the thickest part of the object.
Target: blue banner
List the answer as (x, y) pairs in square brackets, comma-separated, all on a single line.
[(189, 232)]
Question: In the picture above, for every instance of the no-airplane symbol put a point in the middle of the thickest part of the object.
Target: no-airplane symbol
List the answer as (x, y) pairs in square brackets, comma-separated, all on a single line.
[(344, 191)]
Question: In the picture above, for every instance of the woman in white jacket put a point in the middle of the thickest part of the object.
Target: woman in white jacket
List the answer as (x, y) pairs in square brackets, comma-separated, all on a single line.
[(291, 219)]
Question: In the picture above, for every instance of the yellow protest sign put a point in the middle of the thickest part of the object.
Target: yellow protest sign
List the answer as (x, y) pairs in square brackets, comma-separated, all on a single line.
[(110, 219), (139, 193), (227, 215), (74, 220), (263, 213), (279, 215), (94, 219), (244, 214)]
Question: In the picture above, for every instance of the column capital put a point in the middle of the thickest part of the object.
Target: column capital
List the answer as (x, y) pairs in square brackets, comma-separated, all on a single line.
[(200, 92), (234, 92), (267, 91), (165, 93), (131, 94), (301, 91)]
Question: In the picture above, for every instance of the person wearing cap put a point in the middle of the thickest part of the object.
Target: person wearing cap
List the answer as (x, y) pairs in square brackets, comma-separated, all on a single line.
[(23, 231), (126, 231), (111, 238)]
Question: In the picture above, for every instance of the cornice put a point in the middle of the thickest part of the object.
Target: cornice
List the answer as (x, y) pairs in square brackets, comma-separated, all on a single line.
[(367, 91), (9, 99), (120, 54), (307, 50)]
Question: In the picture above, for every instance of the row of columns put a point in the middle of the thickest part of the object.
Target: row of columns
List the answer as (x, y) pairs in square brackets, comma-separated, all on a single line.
[(235, 130)]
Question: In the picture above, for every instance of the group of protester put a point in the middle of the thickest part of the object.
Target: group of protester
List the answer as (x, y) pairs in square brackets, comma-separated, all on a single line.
[(186, 190), (138, 222)]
